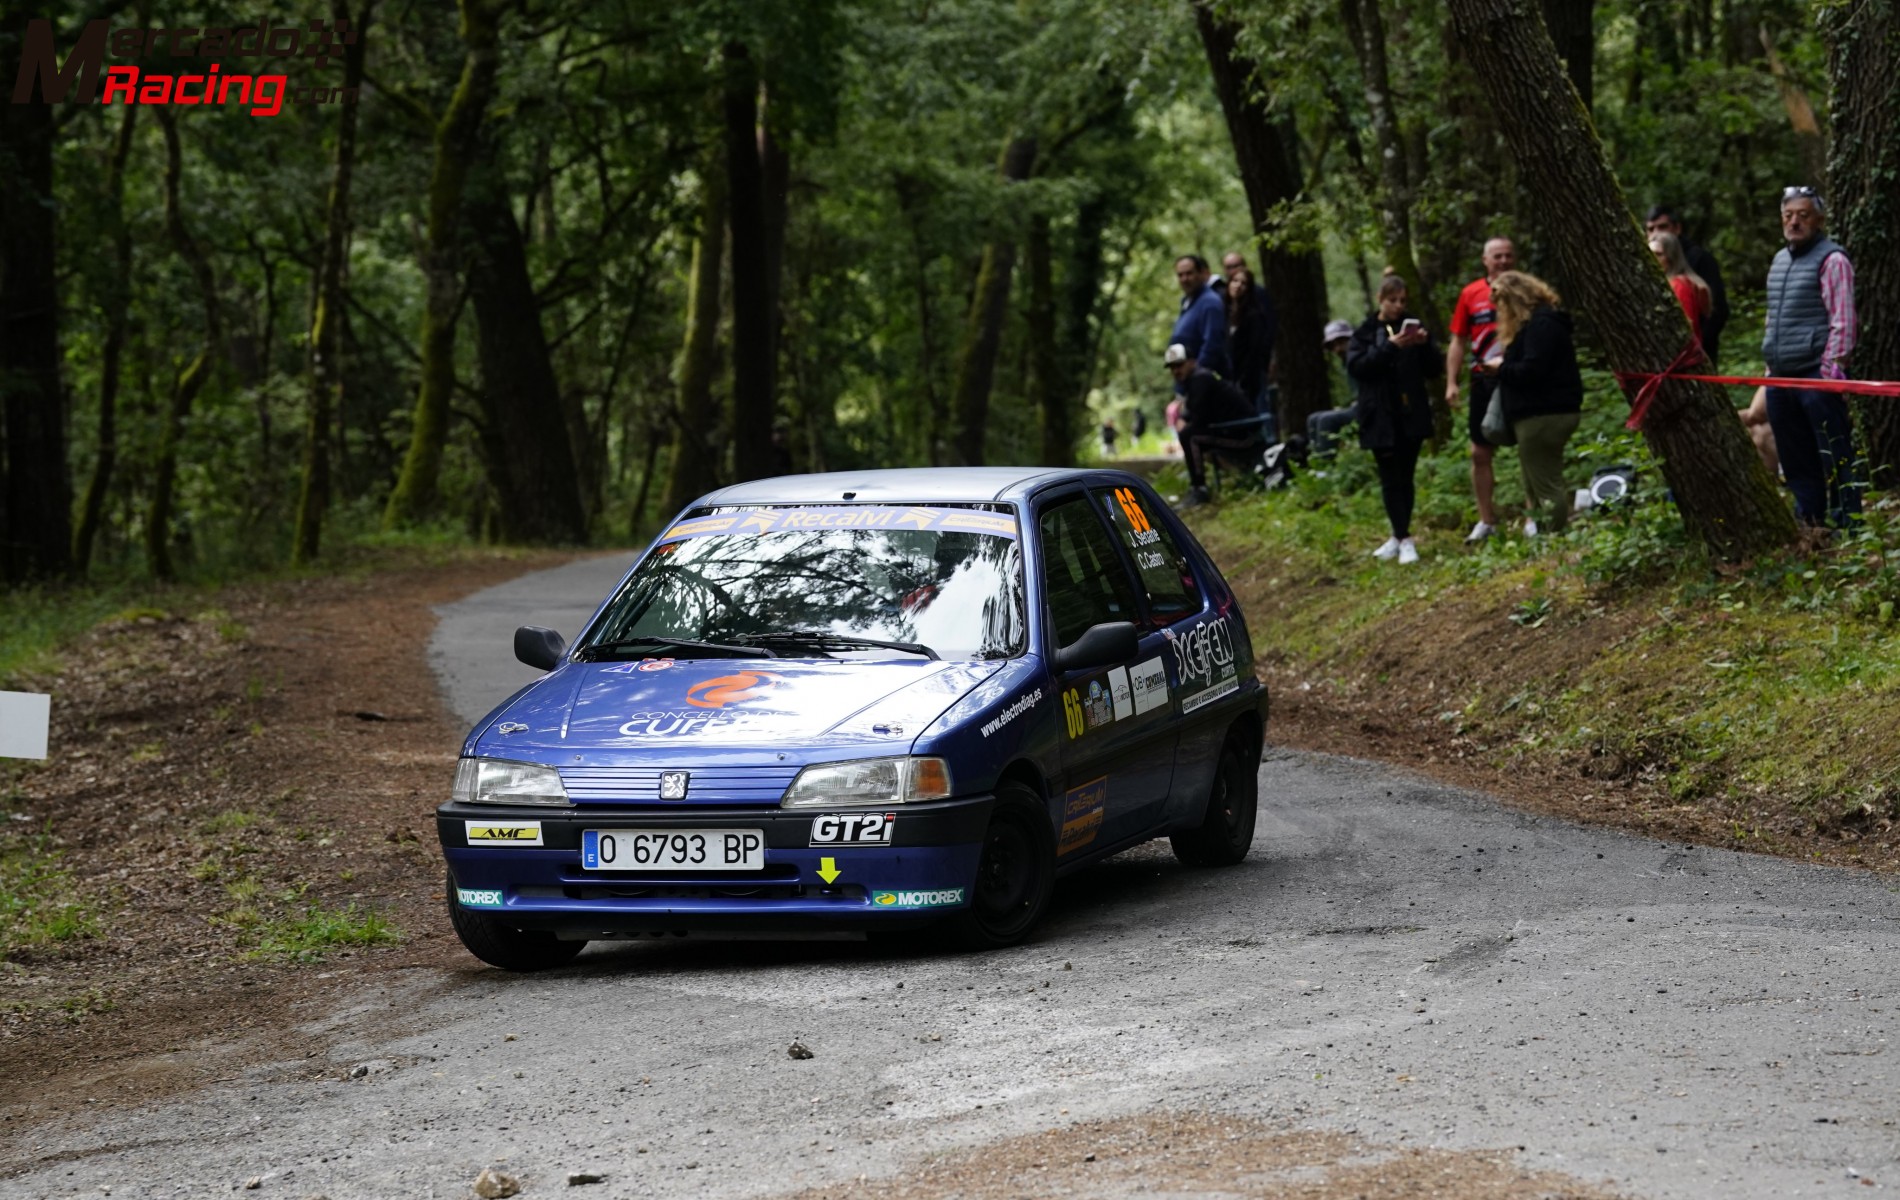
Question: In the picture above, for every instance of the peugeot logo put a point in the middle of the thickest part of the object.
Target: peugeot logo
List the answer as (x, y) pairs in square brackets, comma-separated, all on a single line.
[(673, 785)]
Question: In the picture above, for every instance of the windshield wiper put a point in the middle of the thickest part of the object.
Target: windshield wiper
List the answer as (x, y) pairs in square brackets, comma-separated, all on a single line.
[(841, 641), (590, 654)]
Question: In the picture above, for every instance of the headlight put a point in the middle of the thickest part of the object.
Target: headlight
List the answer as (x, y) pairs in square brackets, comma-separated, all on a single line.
[(868, 781), (493, 781)]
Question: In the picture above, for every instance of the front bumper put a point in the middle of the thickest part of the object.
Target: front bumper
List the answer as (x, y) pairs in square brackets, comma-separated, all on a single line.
[(926, 870)]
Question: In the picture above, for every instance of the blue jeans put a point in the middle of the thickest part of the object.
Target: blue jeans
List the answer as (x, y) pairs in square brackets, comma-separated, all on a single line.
[(1815, 439)]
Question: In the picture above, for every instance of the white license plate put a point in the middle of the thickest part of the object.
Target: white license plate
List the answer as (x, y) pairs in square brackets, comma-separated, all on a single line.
[(673, 849)]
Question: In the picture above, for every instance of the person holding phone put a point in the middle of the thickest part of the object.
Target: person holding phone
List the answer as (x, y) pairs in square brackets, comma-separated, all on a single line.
[(1391, 356), (1542, 389)]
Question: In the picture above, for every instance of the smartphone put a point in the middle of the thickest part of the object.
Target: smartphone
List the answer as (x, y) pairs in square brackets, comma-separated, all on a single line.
[(1408, 325)]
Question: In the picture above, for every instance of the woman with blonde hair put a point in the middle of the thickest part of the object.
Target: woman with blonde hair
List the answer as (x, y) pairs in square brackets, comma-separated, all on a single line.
[(1542, 390), (1692, 291)]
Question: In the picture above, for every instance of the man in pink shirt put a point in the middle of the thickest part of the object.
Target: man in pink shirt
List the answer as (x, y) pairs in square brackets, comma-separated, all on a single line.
[(1810, 334)]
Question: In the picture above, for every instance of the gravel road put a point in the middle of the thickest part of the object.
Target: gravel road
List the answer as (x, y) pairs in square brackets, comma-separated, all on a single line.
[(1400, 960)]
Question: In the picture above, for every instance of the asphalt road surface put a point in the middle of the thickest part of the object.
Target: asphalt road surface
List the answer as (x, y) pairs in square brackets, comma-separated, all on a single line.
[(1397, 959)]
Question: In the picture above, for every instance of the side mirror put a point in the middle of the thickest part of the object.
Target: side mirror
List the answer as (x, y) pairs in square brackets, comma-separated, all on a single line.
[(1099, 646), (539, 648)]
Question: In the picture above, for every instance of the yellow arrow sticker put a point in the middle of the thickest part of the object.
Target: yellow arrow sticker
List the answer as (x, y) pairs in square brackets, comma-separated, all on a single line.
[(828, 869)]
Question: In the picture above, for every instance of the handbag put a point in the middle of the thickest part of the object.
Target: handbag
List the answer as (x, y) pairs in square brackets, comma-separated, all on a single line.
[(1496, 427)]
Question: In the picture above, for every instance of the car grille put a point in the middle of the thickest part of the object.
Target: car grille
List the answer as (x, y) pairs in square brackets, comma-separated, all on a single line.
[(761, 786), (760, 890)]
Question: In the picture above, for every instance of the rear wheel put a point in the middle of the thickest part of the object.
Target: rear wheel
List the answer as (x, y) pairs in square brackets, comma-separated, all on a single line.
[(1016, 875), (1225, 834), (498, 944)]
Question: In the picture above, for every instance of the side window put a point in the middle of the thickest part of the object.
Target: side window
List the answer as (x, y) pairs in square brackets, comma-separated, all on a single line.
[(1087, 582), (1164, 571)]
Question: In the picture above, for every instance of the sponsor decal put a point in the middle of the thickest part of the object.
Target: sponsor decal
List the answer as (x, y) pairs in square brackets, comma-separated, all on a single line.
[(478, 897), (936, 899), (1118, 692), (1072, 713), (1082, 809), (673, 785), (1139, 530), (645, 664), (503, 833), (667, 723), (1207, 696), (1096, 706), (1204, 653), (511, 727), (1148, 685), (1027, 702), (730, 689), (853, 829), (848, 516)]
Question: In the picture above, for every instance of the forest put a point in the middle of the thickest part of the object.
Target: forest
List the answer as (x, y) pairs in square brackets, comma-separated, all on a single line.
[(543, 271)]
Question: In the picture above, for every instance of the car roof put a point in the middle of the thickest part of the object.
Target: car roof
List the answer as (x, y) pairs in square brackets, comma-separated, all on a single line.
[(912, 485)]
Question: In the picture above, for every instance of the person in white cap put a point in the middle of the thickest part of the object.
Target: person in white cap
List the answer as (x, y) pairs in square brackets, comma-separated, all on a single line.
[(1322, 428)]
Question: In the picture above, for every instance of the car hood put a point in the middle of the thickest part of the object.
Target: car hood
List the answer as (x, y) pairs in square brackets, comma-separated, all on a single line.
[(609, 712)]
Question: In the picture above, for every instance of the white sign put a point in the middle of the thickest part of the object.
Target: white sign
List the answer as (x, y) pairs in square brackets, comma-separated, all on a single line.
[(23, 720)]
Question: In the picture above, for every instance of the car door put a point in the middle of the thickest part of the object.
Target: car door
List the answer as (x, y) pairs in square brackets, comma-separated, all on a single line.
[(1116, 756), (1193, 645)]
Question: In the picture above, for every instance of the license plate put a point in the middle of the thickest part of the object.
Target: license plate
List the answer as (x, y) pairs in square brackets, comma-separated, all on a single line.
[(673, 849)]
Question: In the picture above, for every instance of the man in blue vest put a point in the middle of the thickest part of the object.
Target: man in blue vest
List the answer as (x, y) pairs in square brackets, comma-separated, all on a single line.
[(1810, 335)]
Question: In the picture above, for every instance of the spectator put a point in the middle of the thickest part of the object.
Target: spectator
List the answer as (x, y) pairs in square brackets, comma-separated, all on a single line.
[(1542, 389), (1811, 332), (1231, 264), (1247, 334), (1663, 219), (1322, 428), (1209, 403), (1108, 438), (1474, 323), (1692, 291), (1202, 325), (1391, 355), (1139, 423)]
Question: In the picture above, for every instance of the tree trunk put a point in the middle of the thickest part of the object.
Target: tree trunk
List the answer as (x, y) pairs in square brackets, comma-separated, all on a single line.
[(754, 374), (1047, 393), (1267, 154), (1725, 495), (414, 495), (530, 456), (983, 327), (36, 502), (1808, 136), (117, 299), (325, 365), (1572, 25), (1864, 65), (910, 200), (185, 389), (694, 417), (1365, 28)]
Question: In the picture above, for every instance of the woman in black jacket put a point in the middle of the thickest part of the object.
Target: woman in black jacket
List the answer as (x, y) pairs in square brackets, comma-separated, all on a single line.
[(1392, 356), (1542, 390), (1249, 338)]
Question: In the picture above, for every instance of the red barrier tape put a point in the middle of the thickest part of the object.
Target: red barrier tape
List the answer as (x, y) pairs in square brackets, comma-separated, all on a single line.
[(1639, 407)]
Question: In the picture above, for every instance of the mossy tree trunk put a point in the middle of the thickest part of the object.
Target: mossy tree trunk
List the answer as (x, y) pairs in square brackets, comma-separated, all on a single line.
[(983, 327), (118, 296), (1723, 492), (693, 470)]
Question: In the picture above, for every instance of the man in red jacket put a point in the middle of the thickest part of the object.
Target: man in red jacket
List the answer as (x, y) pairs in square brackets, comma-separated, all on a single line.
[(1474, 323)]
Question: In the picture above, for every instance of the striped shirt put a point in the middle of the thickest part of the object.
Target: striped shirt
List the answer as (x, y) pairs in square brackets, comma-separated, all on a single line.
[(1837, 296)]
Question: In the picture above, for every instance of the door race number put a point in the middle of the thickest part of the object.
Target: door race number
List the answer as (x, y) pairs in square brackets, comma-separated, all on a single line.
[(670, 849)]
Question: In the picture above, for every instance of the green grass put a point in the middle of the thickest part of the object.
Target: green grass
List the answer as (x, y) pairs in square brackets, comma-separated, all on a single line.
[(309, 935), (39, 903)]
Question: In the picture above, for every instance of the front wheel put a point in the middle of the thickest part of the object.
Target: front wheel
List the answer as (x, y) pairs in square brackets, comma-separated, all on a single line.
[(1225, 834), (500, 945), (1016, 875)]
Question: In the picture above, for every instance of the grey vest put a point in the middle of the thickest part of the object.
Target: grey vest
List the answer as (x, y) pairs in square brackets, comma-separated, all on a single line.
[(1797, 319)]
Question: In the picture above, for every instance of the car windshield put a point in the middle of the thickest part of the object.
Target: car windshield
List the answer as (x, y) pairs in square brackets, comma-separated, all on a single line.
[(844, 581)]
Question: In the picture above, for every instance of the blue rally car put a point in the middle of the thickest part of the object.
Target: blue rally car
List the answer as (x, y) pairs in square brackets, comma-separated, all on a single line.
[(858, 701)]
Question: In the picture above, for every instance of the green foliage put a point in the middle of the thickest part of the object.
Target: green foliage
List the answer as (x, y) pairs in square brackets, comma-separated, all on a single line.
[(39, 903), (308, 936)]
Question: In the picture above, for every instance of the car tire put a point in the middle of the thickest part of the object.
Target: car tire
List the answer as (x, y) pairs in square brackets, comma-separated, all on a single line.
[(1225, 833), (500, 945), (1015, 876)]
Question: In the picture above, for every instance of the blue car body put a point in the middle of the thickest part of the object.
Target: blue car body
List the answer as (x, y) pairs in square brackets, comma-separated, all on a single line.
[(1116, 754)]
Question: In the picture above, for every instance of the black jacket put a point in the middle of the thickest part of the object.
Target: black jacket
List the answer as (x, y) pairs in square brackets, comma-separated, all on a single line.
[(1212, 400), (1539, 375), (1703, 264), (1250, 345), (1395, 403)]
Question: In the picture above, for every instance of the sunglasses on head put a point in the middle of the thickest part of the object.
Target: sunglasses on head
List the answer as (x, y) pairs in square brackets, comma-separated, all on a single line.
[(1799, 192)]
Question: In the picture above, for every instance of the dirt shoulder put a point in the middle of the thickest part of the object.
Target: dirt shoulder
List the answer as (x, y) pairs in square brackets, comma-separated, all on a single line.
[(235, 819)]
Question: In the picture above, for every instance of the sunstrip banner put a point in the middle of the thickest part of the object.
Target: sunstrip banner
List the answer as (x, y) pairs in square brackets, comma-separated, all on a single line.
[(850, 516)]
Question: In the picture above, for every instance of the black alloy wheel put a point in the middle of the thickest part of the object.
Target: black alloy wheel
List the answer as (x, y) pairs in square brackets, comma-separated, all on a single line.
[(1225, 834), (1016, 875), (498, 944)]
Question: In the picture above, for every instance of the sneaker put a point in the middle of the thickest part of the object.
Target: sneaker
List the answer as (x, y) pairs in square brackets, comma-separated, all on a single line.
[(1389, 550), (1530, 526), (1194, 499), (1408, 551), (1479, 532)]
